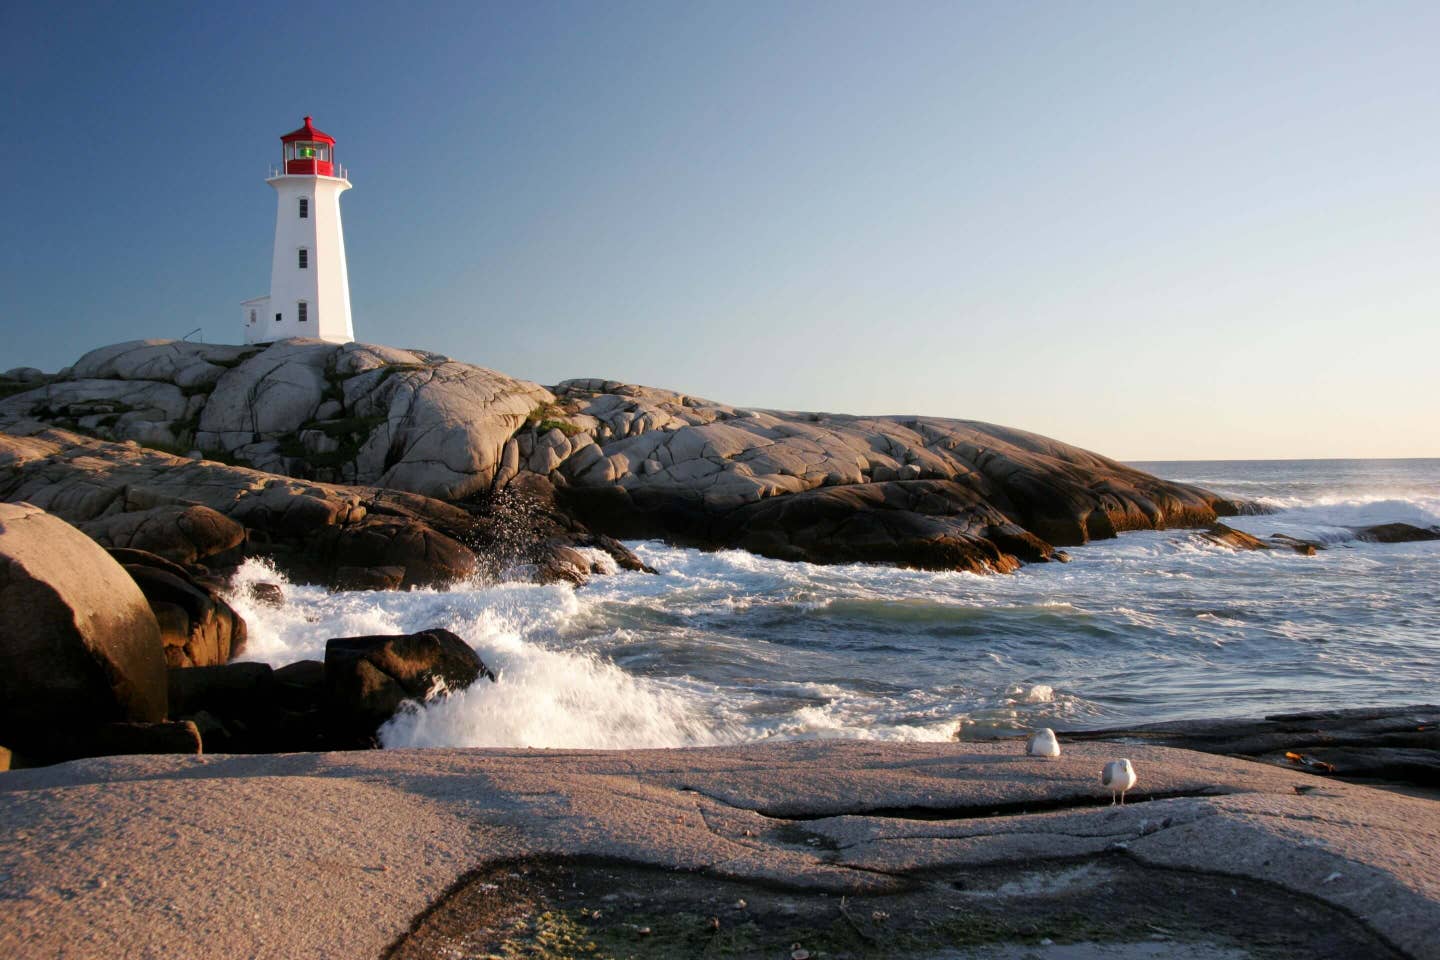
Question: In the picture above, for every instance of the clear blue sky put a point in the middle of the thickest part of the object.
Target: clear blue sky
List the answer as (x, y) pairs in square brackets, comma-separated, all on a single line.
[(1158, 230)]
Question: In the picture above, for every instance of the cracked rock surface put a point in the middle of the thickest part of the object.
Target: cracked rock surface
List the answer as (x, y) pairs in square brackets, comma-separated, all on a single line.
[(126, 495), (339, 853), (631, 461)]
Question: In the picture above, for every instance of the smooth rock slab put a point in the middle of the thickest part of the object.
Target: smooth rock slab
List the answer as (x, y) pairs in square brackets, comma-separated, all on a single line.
[(339, 853)]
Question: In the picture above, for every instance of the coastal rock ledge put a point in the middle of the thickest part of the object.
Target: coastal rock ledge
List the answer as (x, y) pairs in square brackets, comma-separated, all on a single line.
[(442, 853), (614, 458)]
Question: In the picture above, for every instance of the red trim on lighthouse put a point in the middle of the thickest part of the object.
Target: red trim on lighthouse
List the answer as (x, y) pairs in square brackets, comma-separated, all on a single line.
[(313, 154), (307, 132)]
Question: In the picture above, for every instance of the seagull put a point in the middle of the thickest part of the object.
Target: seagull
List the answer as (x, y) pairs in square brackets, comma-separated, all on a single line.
[(1042, 744), (1119, 776)]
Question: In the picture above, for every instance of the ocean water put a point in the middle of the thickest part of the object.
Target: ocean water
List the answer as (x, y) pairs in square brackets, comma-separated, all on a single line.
[(727, 647)]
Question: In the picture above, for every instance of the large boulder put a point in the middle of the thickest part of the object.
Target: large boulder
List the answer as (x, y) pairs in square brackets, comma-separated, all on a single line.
[(400, 549), (250, 708), (642, 462), (368, 678), (443, 425), (184, 534), (272, 392), (79, 646), (198, 626)]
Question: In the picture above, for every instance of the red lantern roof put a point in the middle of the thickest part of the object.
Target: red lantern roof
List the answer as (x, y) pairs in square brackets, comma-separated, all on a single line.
[(307, 132)]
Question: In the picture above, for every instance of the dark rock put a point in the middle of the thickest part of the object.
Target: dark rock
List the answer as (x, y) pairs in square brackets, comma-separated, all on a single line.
[(924, 524), (561, 564), (301, 685), (1395, 533), (1398, 744), (1224, 536), (249, 708), (1306, 548), (368, 678), (367, 578), (423, 555), (197, 626), (25, 375), (267, 594), (624, 557), (218, 689), (79, 645), (117, 739), (302, 673)]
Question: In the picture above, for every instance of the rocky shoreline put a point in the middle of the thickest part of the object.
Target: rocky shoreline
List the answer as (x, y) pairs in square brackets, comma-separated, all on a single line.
[(319, 451), (366, 467)]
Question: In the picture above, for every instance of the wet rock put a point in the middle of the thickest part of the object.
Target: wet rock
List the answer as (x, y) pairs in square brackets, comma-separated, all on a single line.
[(422, 554), (562, 564), (304, 680), (368, 678), (367, 578), (1224, 536), (79, 645), (1306, 548), (266, 594), (1400, 744), (1396, 533), (924, 524)]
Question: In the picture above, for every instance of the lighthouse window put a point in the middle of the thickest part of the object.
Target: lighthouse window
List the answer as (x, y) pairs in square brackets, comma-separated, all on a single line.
[(304, 208), (302, 311), (252, 317), (304, 259)]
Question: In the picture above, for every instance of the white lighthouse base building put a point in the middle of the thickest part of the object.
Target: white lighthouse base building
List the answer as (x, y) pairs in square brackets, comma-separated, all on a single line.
[(309, 282)]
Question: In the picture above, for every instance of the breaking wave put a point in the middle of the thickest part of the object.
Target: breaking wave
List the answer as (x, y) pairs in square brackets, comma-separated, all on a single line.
[(728, 647)]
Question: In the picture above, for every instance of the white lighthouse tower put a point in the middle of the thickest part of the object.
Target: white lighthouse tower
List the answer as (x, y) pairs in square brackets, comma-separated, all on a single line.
[(309, 285)]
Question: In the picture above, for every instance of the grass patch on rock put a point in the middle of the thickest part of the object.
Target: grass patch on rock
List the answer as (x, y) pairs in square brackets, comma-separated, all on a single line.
[(550, 416)]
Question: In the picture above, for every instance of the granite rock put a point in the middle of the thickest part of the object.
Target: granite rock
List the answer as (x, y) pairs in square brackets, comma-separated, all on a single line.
[(79, 646)]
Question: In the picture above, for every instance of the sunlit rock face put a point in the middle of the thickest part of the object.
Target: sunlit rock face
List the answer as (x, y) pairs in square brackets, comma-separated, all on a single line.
[(628, 460)]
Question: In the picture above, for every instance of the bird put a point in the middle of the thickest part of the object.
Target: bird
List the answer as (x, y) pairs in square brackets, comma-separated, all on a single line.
[(1042, 744), (1119, 776)]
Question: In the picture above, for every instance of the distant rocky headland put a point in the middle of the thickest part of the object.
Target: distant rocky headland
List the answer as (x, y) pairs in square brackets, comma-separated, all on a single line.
[(365, 465)]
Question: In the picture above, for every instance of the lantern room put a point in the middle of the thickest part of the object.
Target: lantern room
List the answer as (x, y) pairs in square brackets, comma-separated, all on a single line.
[(309, 152)]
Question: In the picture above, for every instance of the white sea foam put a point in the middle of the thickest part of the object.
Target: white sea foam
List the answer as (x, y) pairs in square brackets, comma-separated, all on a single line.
[(727, 646)]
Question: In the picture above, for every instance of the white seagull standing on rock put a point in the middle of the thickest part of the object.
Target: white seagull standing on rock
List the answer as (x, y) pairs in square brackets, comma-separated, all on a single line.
[(1119, 776), (1042, 744)]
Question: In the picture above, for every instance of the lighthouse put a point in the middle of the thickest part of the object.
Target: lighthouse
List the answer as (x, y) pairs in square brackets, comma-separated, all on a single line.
[(309, 285)]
